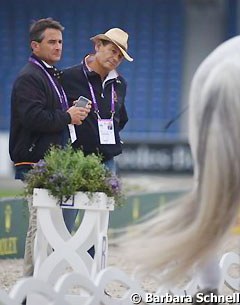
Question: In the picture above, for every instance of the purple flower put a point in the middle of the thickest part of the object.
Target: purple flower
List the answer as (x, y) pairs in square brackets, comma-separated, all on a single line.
[(114, 184), (56, 178), (41, 163), (40, 167)]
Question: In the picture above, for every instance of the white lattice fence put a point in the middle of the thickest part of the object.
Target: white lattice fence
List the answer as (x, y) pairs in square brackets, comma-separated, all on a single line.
[(92, 292)]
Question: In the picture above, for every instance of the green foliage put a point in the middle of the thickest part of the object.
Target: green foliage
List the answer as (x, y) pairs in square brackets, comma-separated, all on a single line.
[(65, 171)]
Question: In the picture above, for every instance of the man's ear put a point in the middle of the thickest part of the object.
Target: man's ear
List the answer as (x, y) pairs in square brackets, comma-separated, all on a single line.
[(98, 45), (34, 45)]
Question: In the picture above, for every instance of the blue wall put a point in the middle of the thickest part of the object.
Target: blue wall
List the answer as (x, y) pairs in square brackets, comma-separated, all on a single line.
[(156, 29)]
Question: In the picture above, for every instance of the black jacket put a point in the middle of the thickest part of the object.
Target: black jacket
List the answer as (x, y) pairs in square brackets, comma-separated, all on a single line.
[(75, 84), (37, 119)]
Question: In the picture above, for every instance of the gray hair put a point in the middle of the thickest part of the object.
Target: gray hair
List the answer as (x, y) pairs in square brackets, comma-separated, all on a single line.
[(191, 228)]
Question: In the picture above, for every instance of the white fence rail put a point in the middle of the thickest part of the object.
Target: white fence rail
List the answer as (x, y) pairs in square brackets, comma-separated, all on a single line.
[(89, 278), (91, 292)]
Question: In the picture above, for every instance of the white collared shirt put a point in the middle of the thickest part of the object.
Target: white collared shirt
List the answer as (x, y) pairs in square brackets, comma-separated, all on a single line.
[(46, 64)]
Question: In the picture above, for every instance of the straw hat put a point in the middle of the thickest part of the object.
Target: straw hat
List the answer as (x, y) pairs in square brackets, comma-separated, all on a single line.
[(118, 37)]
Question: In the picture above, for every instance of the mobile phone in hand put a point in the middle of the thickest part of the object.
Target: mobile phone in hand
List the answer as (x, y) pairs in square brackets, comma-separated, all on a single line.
[(82, 102)]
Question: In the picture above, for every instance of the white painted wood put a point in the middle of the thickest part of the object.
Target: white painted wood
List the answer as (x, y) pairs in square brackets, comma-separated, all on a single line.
[(67, 250), (229, 259), (91, 291), (82, 200)]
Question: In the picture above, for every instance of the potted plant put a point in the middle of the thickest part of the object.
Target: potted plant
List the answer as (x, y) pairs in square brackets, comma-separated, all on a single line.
[(65, 178), (64, 172)]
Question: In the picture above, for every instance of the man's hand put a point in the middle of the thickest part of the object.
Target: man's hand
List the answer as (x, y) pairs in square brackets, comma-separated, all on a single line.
[(78, 114)]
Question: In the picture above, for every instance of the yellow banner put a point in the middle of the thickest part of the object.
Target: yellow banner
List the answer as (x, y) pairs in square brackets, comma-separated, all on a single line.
[(236, 228)]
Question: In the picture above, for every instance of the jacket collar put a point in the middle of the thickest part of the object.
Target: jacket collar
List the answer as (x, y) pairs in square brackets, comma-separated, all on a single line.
[(42, 62)]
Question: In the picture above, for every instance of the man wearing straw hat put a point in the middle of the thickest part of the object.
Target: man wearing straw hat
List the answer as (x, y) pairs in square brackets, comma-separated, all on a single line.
[(97, 79)]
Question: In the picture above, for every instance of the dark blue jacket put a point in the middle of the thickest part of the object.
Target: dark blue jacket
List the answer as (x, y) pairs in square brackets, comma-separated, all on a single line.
[(75, 84), (37, 119)]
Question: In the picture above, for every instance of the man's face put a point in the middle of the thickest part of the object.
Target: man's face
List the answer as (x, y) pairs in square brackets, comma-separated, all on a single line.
[(108, 56), (50, 48)]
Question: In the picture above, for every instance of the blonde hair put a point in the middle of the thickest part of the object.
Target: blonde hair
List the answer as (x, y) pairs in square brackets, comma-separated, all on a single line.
[(191, 228)]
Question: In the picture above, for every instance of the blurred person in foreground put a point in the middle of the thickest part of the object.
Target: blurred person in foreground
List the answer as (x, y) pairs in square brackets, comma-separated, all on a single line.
[(97, 79), (186, 237), (40, 114)]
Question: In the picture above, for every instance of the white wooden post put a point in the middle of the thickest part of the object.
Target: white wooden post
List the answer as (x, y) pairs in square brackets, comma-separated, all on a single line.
[(64, 249)]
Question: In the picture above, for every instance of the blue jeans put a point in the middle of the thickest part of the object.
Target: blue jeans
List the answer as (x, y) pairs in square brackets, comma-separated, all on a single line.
[(69, 216), (111, 166), (20, 172)]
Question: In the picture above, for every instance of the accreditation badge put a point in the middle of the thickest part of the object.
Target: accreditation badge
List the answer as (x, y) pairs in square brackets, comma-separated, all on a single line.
[(106, 131), (72, 132)]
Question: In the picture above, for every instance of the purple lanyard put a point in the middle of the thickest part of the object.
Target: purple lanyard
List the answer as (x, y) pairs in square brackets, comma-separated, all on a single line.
[(95, 105), (62, 97)]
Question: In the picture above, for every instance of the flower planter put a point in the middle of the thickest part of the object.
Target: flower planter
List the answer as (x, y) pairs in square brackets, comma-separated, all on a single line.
[(70, 251), (81, 200)]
